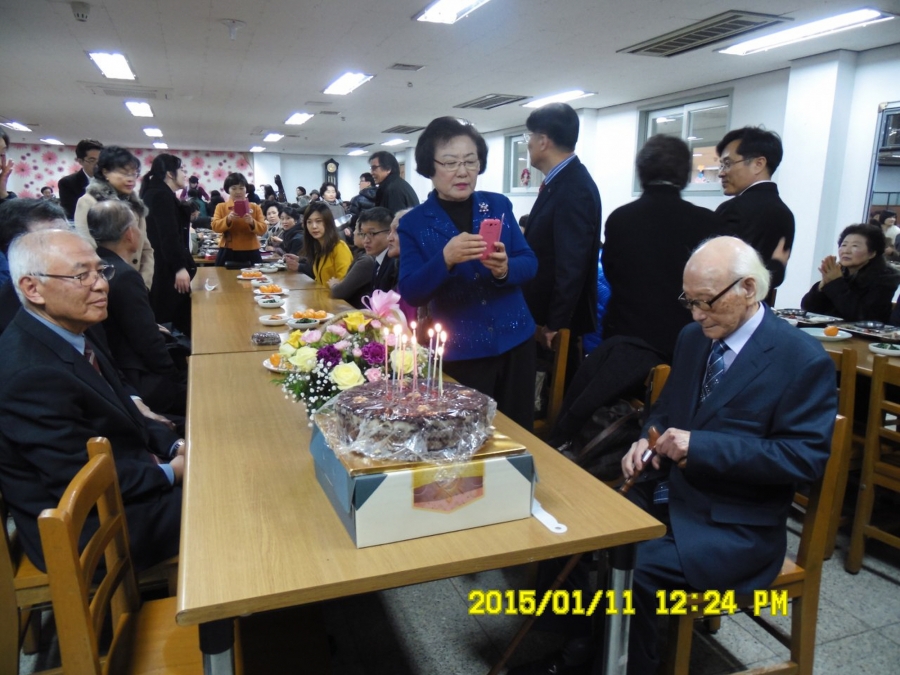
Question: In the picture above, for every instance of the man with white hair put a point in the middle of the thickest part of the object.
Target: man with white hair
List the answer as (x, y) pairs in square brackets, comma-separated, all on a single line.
[(746, 414), (58, 389)]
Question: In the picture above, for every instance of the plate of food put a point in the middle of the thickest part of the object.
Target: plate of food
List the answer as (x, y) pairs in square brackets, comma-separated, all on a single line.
[(885, 348), (268, 269), (249, 274), (873, 329), (269, 289), (270, 301), (802, 316), (277, 364), (827, 334), (307, 318), (273, 319)]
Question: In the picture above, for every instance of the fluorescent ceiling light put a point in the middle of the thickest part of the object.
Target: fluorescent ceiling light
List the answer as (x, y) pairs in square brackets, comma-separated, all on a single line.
[(356, 153), (139, 109), (558, 98), (159, 145), (113, 66), (347, 83), (273, 138), (15, 126), (448, 11), (834, 24), (257, 148), (153, 132), (51, 141), (298, 118), (396, 141)]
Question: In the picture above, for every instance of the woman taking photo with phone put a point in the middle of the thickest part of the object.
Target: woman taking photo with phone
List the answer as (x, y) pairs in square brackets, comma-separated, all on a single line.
[(240, 224), (472, 290)]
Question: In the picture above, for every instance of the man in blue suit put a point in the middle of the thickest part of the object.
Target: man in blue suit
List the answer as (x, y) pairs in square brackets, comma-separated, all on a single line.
[(745, 415)]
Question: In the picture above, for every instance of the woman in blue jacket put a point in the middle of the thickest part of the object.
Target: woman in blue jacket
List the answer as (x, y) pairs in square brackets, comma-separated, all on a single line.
[(477, 301)]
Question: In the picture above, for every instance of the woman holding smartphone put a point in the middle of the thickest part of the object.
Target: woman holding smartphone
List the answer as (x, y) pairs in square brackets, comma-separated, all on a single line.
[(472, 287), (240, 224)]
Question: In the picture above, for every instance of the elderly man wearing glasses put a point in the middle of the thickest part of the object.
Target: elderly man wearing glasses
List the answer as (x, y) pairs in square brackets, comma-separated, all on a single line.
[(58, 388)]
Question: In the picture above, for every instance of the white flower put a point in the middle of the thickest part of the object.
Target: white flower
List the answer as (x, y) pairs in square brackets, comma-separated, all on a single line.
[(304, 358), (347, 375)]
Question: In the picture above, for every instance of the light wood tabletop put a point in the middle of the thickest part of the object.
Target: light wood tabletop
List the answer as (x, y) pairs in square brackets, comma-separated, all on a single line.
[(258, 532), (863, 355)]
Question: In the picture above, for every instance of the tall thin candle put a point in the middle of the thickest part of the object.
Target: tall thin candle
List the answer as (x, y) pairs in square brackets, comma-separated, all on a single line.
[(414, 343), (385, 332), (430, 352), (397, 331)]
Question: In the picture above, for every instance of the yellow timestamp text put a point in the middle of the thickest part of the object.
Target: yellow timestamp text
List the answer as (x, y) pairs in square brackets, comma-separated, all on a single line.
[(528, 602), (715, 603)]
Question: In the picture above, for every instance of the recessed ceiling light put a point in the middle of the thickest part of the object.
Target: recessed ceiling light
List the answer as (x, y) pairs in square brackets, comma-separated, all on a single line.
[(113, 66), (159, 145), (448, 11), (139, 109), (153, 132), (15, 126), (396, 141), (298, 118), (347, 83), (273, 138), (558, 98), (257, 148), (356, 153), (834, 24), (51, 141)]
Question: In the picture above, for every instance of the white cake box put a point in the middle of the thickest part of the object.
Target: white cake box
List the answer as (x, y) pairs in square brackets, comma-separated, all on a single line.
[(380, 502)]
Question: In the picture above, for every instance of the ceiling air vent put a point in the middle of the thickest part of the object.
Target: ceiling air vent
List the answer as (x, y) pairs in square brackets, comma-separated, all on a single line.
[(714, 29), (356, 145), (127, 91), (309, 104), (405, 66), (402, 129), (329, 112), (491, 101)]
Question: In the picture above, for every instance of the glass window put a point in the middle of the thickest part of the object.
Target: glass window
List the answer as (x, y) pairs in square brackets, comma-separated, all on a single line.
[(520, 176), (701, 124)]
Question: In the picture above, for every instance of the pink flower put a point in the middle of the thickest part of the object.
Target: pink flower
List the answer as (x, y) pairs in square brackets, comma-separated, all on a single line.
[(391, 340), (148, 160), (74, 166), (22, 169), (49, 157), (241, 163), (341, 345), (220, 174), (230, 155), (357, 352), (338, 330), (311, 336), (373, 374), (39, 176), (197, 162), (376, 324)]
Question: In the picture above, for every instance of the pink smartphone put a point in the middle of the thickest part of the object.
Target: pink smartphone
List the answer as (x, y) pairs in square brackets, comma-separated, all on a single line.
[(241, 207), (490, 232)]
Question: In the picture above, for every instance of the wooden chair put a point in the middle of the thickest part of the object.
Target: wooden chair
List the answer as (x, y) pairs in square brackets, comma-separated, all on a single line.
[(800, 578), (145, 638), (845, 365), (881, 462), (560, 348)]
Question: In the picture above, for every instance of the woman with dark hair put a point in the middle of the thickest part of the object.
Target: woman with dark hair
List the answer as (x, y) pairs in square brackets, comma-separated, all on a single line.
[(859, 285), (328, 257), (215, 198), (474, 292), (238, 234), (331, 196), (168, 228), (291, 240), (115, 177)]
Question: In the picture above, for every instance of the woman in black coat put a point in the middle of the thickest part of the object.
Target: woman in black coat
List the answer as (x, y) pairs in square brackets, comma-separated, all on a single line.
[(168, 228)]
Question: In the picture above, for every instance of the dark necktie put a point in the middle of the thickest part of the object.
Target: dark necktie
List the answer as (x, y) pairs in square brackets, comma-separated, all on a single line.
[(91, 357), (543, 185), (715, 369), (375, 272)]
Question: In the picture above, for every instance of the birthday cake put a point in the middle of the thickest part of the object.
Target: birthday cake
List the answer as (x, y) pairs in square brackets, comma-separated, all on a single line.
[(421, 420)]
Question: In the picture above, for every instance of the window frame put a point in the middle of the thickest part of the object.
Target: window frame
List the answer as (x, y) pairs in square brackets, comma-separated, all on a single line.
[(511, 172)]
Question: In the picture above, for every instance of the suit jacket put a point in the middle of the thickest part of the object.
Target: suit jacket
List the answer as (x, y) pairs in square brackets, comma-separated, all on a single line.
[(646, 245), (563, 230), (51, 402), (387, 274), (71, 188), (764, 428), (395, 194), (759, 217)]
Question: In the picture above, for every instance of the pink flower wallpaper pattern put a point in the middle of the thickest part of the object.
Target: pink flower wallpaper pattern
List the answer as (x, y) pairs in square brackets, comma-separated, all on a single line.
[(36, 166)]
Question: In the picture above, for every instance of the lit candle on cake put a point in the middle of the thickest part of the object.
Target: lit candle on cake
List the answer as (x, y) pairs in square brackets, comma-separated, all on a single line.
[(385, 332), (397, 331), (428, 367), (415, 352), (400, 377)]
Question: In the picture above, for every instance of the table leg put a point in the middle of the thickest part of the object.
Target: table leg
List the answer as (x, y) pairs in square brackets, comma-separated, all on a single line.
[(615, 637), (217, 645)]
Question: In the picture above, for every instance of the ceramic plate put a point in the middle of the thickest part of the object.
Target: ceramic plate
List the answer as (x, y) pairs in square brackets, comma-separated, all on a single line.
[(256, 291), (259, 282), (270, 303), (268, 320), (303, 324), (819, 334), (242, 277), (279, 369), (885, 348), (268, 269)]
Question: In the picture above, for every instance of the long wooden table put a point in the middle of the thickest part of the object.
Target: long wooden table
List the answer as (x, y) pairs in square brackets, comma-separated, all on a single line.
[(863, 355), (258, 533)]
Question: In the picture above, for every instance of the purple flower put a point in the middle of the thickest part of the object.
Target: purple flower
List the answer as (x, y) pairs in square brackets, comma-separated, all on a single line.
[(373, 353), (329, 356)]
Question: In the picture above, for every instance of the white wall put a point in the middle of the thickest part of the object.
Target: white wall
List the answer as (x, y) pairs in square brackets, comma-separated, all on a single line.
[(308, 171)]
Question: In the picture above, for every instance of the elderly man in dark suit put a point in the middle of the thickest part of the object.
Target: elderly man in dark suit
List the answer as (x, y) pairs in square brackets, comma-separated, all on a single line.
[(747, 159), (393, 192), (746, 414), (58, 389), (72, 187), (563, 228)]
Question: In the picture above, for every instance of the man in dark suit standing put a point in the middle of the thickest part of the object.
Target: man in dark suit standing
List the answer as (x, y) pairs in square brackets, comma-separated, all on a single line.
[(72, 187), (747, 159), (393, 192), (746, 414), (58, 389), (563, 228)]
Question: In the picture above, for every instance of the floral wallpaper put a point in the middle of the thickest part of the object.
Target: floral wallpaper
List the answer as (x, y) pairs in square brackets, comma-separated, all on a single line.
[(39, 165)]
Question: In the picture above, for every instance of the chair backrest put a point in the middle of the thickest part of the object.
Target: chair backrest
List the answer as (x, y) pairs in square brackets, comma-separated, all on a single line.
[(845, 365), (814, 537), (879, 427), (78, 619), (658, 377), (561, 348)]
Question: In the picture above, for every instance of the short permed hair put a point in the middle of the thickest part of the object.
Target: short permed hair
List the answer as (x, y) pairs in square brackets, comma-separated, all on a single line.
[(442, 130), (873, 234), (235, 179), (664, 158)]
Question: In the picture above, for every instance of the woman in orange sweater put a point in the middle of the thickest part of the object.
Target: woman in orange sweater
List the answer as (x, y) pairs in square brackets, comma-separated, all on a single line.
[(238, 234)]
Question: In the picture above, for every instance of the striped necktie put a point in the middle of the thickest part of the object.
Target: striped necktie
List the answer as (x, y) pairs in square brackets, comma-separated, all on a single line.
[(715, 369)]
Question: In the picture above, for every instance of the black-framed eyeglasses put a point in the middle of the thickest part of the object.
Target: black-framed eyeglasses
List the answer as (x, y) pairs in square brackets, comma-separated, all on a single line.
[(369, 236), (728, 165), (88, 278), (705, 305)]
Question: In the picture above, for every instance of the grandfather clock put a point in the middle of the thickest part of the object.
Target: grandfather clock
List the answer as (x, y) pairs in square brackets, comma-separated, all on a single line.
[(331, 171)]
